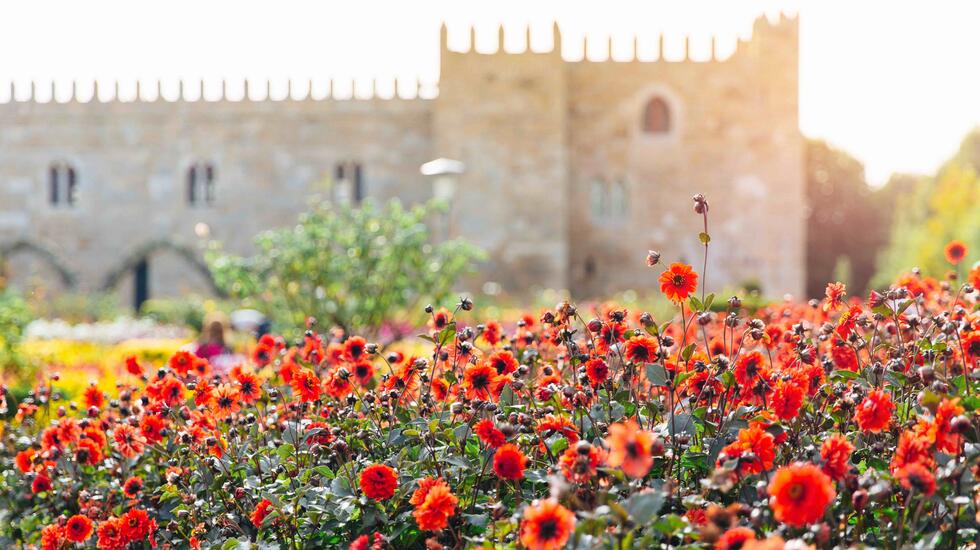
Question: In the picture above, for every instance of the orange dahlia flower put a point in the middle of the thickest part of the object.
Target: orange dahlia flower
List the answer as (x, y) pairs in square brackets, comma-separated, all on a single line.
[(78, 529), (434, 504), (836, 454), (955, 251), (800, 493), (678, 282), (547, 525), (875, 412), (630, 448), (509, 462), (379, 482)]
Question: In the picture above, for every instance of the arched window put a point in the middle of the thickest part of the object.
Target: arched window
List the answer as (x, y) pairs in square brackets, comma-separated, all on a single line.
[(349, 182), (608, 200), (62, 184), (200, 184), (72, 186), (656, 116), (597, 199), (618, 199)]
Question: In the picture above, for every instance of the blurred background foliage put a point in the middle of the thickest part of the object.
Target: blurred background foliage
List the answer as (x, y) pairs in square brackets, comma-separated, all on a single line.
[(866, 236), (936, 211), (15, 314)]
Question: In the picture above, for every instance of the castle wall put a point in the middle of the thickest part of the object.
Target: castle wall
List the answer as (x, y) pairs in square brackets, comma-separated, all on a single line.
[(504, 116), (534, 131), (132, 159), (734, 137)]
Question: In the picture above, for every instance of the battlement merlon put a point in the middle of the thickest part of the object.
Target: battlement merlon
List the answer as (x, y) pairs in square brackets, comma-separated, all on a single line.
[(399, 90), (772, 40), (773, 44), (769, 39)]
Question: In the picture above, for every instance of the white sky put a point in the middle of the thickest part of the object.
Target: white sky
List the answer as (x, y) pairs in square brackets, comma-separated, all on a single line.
[(896, 83)]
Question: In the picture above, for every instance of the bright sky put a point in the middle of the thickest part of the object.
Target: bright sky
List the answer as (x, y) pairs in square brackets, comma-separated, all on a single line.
[(893, 82)]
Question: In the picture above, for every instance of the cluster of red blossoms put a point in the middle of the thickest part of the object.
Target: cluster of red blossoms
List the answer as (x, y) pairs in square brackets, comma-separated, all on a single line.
[(112, 533), (836, 422)]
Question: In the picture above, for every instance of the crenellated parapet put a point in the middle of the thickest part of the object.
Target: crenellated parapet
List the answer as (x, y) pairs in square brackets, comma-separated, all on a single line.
[(766, 34), (195, 91), (567, 154)]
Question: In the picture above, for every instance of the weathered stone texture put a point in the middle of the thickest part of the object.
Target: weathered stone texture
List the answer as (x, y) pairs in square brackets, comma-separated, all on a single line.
[(535, 132)]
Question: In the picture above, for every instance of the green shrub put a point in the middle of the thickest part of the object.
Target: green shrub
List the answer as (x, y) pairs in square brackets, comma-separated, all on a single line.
[(187, 311), (14, 317), (353, 267), (78, 307)]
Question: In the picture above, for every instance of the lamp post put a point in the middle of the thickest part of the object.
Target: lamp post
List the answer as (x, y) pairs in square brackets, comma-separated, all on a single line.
[(445, 179)]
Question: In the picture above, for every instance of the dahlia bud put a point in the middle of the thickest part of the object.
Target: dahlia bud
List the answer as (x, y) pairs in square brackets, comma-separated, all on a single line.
[(960, 424), (700, 204), (653, 258), (859, 499), (595, 325)]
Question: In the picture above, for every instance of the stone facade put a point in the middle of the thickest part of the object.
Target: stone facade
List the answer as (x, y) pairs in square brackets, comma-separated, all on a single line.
[(568, 178)]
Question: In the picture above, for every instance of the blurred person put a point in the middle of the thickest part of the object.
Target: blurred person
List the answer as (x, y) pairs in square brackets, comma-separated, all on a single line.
[(212, 342)]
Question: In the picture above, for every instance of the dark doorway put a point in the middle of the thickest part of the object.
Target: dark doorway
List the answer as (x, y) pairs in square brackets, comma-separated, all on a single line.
[(141, 283)]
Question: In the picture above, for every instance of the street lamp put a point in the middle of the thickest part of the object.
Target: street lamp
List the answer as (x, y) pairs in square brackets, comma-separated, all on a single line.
[(445, 178)]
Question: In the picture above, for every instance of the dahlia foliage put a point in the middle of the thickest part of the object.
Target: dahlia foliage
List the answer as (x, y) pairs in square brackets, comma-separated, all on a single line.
[(841, 421)]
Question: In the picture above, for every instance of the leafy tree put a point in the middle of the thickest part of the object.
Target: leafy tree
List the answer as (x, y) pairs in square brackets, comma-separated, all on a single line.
[(846, 222), (936, 212), (354, 267)]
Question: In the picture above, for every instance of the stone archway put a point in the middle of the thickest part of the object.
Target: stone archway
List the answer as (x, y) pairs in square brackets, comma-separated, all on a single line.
[(65, 276), (138, 265)]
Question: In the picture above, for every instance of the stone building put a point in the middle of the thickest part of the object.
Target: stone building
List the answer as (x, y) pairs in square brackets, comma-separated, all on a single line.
[(573, 170)]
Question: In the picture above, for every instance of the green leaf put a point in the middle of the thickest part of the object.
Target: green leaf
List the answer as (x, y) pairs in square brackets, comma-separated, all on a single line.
[(477, 520), (341, 487), (448, 334), (656, 374), (680, 378), (727, 379), (689, 351), (682, 423), (643, 506), (670, 525), (970, 403), (845, 374), (460, 432)]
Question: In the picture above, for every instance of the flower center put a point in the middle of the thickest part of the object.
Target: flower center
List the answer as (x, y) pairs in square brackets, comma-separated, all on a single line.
[(632, 449), (548, 529)]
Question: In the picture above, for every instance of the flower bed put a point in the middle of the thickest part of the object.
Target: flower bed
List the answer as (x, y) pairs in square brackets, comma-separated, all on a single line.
[(830, 423)]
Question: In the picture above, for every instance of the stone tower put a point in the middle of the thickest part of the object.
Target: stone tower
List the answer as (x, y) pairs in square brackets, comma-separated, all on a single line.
[(505, 116), (644, 136)]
